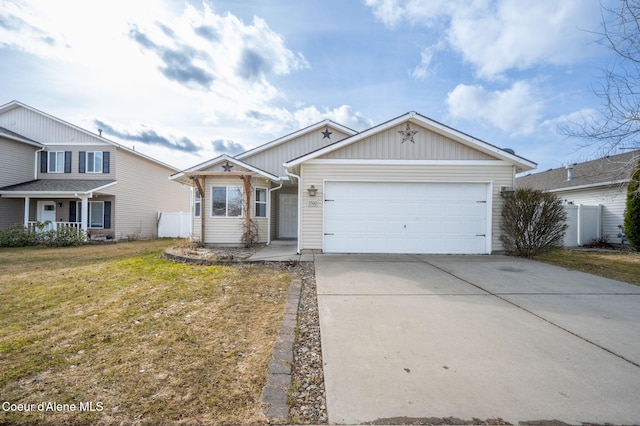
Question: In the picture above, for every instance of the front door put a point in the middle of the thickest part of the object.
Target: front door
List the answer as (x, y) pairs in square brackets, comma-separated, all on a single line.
[(288, 216), (46, 212)]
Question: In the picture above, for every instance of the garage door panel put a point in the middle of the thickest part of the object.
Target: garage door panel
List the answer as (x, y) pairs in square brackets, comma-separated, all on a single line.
[(375, 217)]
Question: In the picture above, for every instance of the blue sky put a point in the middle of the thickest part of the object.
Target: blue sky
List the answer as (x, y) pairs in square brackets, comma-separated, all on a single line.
[(185, 81)]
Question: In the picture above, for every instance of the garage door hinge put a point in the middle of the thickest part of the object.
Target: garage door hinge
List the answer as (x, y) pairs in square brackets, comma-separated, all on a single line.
[(481, 235), (484, 202), (328, 233), (328, 200)]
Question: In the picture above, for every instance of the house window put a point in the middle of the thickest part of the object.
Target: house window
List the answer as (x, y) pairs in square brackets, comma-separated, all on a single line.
[(96, 214), (94, 162), (226, 201), (261, 202), (197, 203), (56, 162)]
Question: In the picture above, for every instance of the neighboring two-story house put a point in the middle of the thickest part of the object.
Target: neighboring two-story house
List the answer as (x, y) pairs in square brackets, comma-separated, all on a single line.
[(51, 170)]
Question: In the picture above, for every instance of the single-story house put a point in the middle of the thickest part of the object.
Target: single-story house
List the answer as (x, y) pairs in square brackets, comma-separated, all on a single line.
[(601, 182), (53, 171), (409, 185)]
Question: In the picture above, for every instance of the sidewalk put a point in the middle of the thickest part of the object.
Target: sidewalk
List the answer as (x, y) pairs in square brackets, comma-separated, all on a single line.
[(281, 251)]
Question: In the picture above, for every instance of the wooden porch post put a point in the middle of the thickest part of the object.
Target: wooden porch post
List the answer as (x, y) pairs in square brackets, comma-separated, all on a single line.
[(247, 191)]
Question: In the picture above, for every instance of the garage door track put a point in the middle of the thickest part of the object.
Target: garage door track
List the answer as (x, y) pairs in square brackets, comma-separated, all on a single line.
[(482, 337)]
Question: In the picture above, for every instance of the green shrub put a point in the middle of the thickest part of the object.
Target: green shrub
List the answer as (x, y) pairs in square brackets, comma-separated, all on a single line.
[(532, 222), (17, 236), (632, 212)]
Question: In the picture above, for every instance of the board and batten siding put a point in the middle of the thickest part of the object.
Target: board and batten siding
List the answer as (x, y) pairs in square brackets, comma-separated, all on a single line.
[(228, 230), (43, 128), (271, 160), (388, 145), (143, 190), (613, 200), (318, 173)]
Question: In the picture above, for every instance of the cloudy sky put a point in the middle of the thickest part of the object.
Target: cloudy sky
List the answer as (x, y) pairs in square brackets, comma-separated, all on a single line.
[(185, 81)]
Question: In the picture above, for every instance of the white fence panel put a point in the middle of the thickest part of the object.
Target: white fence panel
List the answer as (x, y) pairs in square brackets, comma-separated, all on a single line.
[(584, 224), (174, 225)]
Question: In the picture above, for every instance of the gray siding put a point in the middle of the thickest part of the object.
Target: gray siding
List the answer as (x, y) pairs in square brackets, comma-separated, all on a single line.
[(16, 166)]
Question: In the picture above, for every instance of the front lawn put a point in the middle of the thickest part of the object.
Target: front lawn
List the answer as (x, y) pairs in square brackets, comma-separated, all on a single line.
[(617, 265), (118, 334)]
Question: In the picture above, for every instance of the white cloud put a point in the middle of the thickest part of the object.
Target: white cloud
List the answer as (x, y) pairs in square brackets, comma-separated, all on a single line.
[(516, 110), (496, 36)]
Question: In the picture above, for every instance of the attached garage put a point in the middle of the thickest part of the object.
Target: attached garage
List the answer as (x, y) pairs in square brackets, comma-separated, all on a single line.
[(407, 217)]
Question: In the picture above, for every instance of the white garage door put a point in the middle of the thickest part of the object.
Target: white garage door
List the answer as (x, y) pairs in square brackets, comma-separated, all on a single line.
[(399, 217)]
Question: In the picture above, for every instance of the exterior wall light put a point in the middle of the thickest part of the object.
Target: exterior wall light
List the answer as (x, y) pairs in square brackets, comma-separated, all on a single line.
[(507, 191), (312, 190)]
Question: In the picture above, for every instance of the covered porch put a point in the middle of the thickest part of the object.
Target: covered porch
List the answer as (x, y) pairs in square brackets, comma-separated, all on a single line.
[(50, 205)]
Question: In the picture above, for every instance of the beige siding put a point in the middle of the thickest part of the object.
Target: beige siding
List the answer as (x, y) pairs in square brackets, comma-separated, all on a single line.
[(16, 162), (44, 129), (16, 166), (271, 159), (228, 230), (75, 162), (143, 190), (613, 200), (388, 145), (316, 174)]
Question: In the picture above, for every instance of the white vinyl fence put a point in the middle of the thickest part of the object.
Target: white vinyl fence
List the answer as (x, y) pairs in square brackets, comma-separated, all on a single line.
[(174, 225), (584, 224)]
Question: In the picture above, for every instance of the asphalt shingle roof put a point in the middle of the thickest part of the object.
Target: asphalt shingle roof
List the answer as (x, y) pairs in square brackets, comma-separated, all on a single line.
[(601, 171), (57, 185)]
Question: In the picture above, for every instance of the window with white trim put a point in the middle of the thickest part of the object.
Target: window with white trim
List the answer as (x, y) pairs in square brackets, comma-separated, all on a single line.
[(226, 201), (261, 202), (197, 203), (56, 162), (94, 162)]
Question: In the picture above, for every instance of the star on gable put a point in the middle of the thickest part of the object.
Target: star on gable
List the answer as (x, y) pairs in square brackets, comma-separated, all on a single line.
[(407, 134), (326, 134), (227, 167)]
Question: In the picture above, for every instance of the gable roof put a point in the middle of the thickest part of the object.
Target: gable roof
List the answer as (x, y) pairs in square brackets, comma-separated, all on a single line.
[(521, 163), (296, 134), (183, 176), (17, 104), (603, 171), (6, 133)]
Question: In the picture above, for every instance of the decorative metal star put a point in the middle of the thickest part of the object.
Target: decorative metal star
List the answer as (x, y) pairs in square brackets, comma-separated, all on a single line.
[(227, 167), (407, 134), (327, 134)]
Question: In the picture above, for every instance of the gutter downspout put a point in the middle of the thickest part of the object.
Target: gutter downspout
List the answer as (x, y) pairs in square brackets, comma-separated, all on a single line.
[(299, 202), (269, 216)]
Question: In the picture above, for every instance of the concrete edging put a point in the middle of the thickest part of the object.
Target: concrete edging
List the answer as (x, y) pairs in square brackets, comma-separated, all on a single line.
[(275, 393)]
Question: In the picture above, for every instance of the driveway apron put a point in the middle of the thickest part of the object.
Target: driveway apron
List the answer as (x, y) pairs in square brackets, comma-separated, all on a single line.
[(480, 337)]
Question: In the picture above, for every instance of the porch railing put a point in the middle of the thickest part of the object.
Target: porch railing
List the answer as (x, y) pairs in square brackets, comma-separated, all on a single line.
[(52, 226)]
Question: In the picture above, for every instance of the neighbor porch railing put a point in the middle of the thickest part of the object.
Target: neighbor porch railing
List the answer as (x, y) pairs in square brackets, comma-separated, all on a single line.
[(52, 226)]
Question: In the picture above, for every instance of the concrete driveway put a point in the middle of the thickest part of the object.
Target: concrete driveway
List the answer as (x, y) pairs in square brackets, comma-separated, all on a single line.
[(481, 337)]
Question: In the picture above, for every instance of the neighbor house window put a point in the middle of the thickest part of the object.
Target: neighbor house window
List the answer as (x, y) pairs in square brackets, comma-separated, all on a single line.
[(197, 203), (261, 202), (94, 162), (96, 214), (56, 162), (226, 201)]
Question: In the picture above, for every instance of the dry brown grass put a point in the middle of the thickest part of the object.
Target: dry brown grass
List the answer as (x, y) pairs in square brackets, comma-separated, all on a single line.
[(147, 341), (617, 265)]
